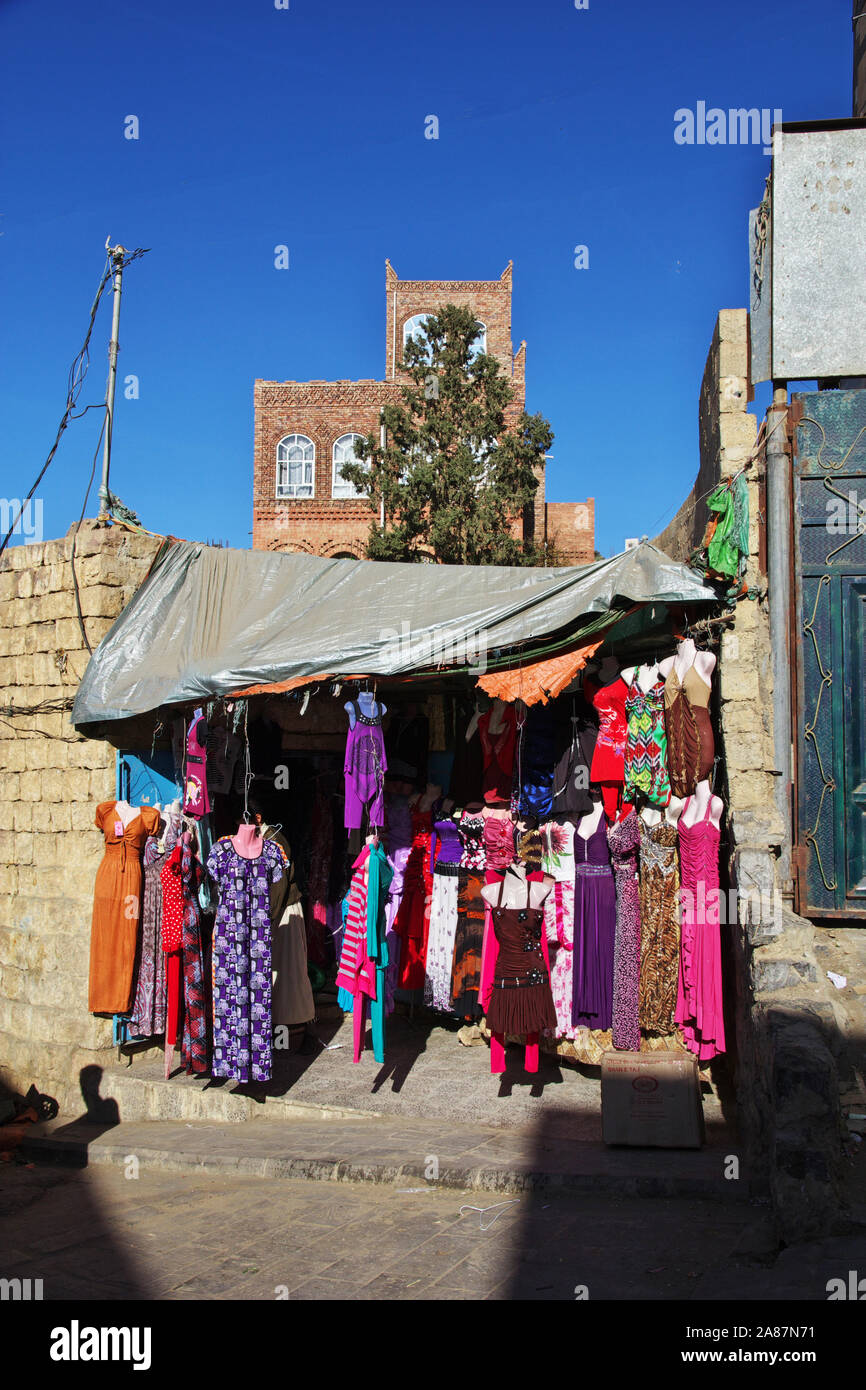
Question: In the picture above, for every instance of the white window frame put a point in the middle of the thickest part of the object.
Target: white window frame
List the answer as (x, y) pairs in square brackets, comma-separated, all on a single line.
[(289, 490), (352, 495), (475, 350), (410, 327)]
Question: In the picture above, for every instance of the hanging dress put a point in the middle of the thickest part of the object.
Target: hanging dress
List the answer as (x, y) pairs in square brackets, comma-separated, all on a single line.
[(558, 863), (241, 963), (468, 944), (623, 841), (446, 849), (578, 735), (594, 930), (181, 878), (147, 1017), (292, 1001), (364, 957), (117, 908), (364, 768), (646, 749), (398, 837), (608, 758), (520, 999), (412, 919), (691, 747), (497, 750), (660, 927), (699, 989)]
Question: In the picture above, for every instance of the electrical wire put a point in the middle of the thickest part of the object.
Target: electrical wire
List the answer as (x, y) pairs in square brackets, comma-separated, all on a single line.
[(75, 380), (77, 529)]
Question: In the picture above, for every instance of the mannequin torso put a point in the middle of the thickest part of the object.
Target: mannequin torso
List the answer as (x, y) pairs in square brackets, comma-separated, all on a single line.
[(248, 843), (514, 886), (125, 813), (697, 807)]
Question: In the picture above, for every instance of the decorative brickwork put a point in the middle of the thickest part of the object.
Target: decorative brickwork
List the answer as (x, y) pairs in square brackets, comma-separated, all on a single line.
[(323, 411), (570, 530)]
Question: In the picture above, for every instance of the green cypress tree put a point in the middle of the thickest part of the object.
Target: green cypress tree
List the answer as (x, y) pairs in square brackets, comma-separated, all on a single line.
[(451, 476)]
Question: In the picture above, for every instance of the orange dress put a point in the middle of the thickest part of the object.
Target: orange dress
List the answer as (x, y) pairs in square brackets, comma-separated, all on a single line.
[(117, 908)]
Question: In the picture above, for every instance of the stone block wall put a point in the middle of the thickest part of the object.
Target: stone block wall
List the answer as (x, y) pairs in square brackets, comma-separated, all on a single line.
[(50, 784), (787, 1026)]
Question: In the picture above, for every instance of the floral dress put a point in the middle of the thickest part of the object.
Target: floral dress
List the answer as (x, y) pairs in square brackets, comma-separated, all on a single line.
[(242, 960)]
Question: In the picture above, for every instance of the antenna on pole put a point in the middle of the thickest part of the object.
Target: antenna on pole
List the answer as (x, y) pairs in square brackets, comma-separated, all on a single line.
[(116, 255)]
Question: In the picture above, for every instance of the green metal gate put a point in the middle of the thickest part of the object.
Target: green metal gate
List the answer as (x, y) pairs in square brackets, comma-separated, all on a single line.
[(829, 437)]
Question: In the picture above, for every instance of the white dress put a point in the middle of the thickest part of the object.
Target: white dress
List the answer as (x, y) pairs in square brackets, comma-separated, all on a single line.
[(557, 838)]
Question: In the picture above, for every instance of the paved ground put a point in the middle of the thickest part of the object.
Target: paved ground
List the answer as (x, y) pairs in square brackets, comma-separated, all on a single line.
[(543, 1156), (99, 1234), (427, 1074)]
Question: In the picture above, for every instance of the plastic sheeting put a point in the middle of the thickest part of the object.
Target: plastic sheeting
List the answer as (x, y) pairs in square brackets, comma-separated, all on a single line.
[(208, 621)]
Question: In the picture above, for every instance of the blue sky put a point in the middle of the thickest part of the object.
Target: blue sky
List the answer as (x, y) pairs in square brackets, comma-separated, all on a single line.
[(305, 126)]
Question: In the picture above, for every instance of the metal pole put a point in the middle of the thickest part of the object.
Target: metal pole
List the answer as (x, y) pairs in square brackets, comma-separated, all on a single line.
[(779, 579), (117, 254)]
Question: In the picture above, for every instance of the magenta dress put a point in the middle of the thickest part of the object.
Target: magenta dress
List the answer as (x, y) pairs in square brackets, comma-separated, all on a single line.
[(699, 988), (623, 840), (594, 931)]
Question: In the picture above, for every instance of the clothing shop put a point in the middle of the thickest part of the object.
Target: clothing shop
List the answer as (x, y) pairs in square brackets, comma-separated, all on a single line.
[(488, 795)]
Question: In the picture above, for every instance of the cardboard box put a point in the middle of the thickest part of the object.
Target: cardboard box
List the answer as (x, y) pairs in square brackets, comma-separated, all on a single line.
[(651, 1099)]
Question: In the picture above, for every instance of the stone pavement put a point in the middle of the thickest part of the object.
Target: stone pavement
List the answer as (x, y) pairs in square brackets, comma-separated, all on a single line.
[(100, 1234), (427, 1074), (541, 1157)]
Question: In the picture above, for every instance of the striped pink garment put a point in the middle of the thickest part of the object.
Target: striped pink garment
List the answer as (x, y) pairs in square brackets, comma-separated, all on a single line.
[(357, 972)]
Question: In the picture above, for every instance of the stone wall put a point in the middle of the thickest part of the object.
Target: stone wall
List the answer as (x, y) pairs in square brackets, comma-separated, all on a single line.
[(787, 1027), (50, 784)]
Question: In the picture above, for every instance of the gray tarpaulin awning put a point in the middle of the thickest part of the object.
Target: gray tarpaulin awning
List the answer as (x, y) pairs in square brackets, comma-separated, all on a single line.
[(208, 621)]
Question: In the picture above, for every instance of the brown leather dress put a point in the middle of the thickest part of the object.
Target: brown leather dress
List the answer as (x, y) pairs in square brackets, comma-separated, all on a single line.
[(691, 746)]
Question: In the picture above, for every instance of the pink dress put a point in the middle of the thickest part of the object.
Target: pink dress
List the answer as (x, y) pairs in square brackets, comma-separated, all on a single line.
[(558, 861), (699, 988)]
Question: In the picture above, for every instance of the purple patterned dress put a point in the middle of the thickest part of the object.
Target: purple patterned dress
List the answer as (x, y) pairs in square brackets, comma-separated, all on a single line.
[(623, 839), (242, 960)]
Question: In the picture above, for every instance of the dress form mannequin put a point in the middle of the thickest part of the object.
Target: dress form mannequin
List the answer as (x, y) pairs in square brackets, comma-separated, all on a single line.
[(588, 824), (431, 793), (248, 842), (125, 813), (650, 815), (514, 888), (674, 809), (369, 707), (687, 655), (697, 807)]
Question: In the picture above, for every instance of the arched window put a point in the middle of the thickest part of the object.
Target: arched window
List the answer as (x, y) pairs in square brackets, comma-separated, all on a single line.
[(414, 328), (344, 452), (296, 464)]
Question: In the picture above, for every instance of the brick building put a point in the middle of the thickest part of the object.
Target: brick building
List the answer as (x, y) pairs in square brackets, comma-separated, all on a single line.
[(305, 431)]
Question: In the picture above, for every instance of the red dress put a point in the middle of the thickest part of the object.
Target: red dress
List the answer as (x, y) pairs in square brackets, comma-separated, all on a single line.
[(608, 760), (412, 922), (498, 752)]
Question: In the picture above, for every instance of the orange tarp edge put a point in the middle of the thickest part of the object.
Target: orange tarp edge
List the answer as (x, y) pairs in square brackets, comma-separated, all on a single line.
[(278, 687), (538, 680)]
